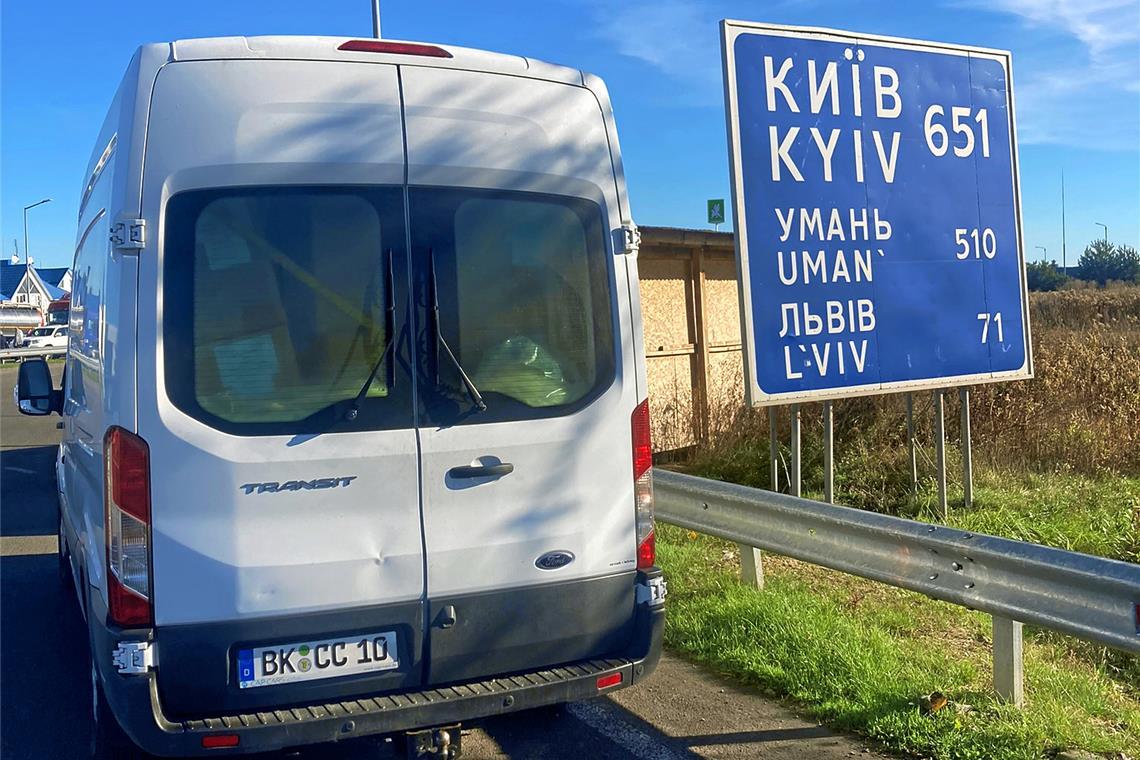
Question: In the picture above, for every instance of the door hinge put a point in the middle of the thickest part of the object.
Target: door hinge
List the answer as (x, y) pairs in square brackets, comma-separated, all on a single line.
[(134, 657), (129, 234), (627, 239)]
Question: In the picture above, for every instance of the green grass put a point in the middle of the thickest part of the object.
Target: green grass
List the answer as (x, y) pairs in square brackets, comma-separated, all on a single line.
[(860, 655), (1100, 517)]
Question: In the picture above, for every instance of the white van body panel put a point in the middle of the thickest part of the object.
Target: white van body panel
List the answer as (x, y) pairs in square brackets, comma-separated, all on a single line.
[(99, 389), (220, 554), (572, 486)]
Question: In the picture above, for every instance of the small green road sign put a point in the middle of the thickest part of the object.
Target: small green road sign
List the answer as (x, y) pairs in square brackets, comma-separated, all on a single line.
[(716, 211)]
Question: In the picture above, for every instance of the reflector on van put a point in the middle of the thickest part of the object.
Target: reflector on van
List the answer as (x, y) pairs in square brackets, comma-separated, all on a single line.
[(395, 48)]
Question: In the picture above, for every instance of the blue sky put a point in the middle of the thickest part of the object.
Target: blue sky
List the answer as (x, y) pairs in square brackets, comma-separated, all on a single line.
[(1076, 75)]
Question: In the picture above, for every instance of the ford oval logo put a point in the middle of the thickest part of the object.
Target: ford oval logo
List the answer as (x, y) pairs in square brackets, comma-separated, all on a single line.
[(554, 560)]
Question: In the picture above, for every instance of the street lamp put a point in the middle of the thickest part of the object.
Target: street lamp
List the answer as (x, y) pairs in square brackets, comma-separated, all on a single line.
[(27, 256), (1098, 224), (1044, 252)]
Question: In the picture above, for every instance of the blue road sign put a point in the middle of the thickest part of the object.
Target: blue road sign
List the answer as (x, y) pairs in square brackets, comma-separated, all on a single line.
[(875, 189)]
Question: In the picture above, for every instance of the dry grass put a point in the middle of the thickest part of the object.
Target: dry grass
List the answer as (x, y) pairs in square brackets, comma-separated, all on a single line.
[(1079, 414)]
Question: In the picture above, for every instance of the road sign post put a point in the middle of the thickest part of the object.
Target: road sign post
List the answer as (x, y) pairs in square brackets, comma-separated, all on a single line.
[(877, 214)]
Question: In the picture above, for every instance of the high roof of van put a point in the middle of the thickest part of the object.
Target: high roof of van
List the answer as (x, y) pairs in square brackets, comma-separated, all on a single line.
[(330, 49)]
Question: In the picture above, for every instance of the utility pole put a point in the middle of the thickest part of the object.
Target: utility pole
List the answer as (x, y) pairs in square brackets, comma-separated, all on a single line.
[(1064, 258), (376, 19)]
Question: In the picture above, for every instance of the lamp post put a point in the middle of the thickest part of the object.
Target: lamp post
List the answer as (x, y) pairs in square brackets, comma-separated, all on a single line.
[(1044, 252), (27, 254), (1098, 224)]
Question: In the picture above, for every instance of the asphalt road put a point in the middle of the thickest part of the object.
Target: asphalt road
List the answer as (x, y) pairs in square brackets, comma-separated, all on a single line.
[(681, 712)]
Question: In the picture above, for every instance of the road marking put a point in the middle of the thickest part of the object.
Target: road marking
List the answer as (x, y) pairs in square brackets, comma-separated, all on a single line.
[(640, 744), (24, 546)]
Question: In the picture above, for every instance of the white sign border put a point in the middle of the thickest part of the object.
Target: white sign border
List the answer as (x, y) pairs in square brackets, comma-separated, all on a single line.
[(753, 394)]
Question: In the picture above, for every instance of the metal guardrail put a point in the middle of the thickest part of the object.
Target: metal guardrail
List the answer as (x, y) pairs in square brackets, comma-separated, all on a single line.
[(1089, 597), (27, 353)]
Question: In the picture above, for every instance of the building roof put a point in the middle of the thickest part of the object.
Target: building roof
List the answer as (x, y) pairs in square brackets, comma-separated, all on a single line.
[(52, 276), (10, 276)]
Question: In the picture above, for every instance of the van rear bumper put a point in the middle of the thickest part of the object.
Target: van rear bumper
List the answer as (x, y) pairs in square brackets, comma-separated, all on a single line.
[(135, 701)]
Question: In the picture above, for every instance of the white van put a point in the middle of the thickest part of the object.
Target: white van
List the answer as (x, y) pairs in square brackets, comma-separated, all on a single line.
[(355, 427)]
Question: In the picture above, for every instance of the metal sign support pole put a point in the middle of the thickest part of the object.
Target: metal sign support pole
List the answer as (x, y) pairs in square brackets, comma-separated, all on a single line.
[(940, 448), (376, 19), (910, 444), (773, 451), (828, 453), (794, 486), (967, 453)]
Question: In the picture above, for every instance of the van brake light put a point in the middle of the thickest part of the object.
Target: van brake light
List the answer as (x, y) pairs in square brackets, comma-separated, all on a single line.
[(394, 48), (126, 500), (643, 487)]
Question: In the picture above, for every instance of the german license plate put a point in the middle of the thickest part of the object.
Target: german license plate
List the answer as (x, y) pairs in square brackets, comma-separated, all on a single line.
[(313, 660)]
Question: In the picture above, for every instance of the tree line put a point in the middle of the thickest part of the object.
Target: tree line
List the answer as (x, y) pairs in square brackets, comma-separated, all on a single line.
[(1101, 263)]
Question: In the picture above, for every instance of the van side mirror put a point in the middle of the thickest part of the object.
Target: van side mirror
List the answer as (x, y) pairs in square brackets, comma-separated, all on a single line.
[(35, 393)]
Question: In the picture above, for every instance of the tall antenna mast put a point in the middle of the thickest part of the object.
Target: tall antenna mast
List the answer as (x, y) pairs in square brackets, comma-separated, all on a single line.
[(1064, 260), (376, 19)]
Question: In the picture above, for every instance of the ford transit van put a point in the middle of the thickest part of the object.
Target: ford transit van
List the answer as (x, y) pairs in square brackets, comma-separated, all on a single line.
[(355, 432)]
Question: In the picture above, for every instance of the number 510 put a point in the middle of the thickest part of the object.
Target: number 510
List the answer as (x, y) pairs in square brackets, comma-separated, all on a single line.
[(987, 246), (985, 318)]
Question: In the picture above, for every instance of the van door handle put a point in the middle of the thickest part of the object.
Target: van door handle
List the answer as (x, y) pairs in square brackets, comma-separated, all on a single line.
[(482, 470)]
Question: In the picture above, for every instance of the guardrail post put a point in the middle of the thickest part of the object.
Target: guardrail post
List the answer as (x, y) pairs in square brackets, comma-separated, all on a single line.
[(1008, 680), (751, 566)]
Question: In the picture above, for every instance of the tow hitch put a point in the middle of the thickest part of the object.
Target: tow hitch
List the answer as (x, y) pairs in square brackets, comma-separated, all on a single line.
[(443, 742)]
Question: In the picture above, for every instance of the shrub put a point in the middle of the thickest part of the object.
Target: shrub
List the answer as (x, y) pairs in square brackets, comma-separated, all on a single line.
[(1041, 276), (1102, 262)]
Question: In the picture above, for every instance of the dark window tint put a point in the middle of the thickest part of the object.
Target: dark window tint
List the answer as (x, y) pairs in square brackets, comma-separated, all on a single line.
[(524, 297), (276, 308)]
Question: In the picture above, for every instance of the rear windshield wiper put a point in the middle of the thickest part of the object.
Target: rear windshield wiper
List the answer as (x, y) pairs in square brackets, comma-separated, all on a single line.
[(390, 318), (472, 391)]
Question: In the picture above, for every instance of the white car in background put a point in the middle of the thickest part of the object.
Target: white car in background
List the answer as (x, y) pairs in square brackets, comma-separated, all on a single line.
[(53, 336)]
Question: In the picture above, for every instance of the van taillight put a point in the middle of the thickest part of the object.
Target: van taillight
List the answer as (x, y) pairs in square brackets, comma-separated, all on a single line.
[(643, 486), (394, 48), (126, 503)]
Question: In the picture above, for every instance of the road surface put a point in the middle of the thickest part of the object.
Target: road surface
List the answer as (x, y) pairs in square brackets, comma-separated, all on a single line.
[(45, 705)]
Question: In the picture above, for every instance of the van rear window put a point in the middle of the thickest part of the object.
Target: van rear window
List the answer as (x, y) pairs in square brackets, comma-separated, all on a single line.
[(525, 301), (276, 308)]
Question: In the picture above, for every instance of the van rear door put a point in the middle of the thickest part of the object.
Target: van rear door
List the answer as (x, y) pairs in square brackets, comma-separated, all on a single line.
[(277, 397), (528, 504)]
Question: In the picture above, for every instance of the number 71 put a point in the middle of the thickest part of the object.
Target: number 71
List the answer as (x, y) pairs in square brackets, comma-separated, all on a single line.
[(985, 318)]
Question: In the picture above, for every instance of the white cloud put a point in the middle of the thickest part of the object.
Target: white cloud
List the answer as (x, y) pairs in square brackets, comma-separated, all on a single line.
[(680, 38), (1087, 100)]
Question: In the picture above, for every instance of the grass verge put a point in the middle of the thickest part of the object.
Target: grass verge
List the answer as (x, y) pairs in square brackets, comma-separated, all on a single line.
[(860, 655)]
